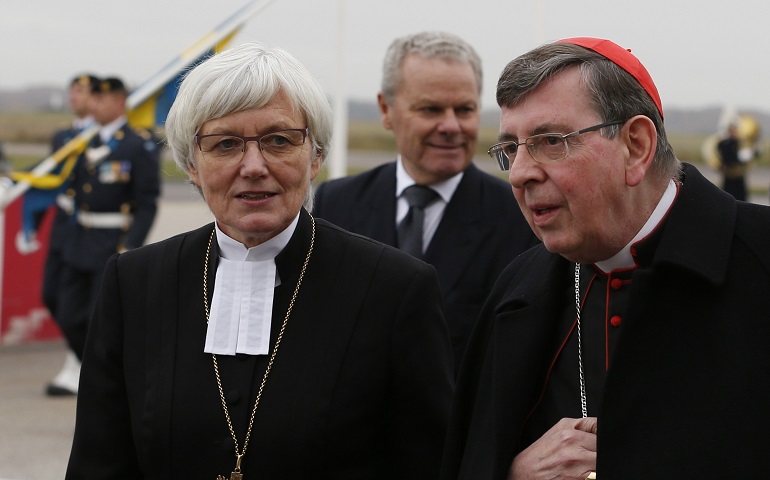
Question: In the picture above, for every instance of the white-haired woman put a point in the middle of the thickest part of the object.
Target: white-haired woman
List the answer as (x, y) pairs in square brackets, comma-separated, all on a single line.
[(268, 344)]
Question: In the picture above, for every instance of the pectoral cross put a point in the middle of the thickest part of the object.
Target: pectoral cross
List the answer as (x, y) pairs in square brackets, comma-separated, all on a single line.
[(235, 474)]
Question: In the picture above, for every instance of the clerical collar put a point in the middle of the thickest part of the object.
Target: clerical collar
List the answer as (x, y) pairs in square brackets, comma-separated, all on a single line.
[(234, 250), (624, 260), (242, 303), (106, 132), (445, 189)]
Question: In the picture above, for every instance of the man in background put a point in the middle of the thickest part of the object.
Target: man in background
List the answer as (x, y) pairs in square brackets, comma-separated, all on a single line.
[(114, 191), (433, 202), (66, 381)]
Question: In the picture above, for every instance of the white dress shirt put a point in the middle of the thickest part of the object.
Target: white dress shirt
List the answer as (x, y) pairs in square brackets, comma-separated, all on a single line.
[(434, 211)]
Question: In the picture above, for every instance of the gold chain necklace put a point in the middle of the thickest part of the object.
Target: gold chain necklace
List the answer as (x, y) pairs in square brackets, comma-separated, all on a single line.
[(236, 473)]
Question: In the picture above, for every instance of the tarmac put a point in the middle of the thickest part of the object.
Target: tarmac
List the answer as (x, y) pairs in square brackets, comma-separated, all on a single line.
[(36, 431)]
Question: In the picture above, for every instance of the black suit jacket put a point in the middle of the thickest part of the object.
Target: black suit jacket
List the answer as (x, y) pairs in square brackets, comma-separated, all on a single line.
[(686, 394), (481, 231), (360, 388)]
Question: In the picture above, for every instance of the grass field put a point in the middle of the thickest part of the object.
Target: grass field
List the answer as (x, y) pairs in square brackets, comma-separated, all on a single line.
[(38, 127)]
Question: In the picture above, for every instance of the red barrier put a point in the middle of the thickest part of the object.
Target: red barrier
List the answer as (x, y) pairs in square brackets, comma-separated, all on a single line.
[(23, 318)]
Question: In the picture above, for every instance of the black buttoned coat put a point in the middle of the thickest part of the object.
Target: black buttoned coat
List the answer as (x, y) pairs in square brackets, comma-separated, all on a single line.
[(481, 231), (360, 388), (688, 391)]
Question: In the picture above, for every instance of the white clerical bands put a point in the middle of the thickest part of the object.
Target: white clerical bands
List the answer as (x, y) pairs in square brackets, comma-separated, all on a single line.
[(241, 308)]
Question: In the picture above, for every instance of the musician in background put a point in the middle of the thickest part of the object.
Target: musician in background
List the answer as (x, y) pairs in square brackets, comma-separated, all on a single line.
[(733, 163)]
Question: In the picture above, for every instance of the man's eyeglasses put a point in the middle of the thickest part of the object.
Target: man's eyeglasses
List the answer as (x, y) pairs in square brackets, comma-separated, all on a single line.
[(275, 146), (544, 147)]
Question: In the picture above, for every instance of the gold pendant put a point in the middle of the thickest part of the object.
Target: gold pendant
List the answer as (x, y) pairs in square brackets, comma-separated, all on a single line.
[(233, 476)]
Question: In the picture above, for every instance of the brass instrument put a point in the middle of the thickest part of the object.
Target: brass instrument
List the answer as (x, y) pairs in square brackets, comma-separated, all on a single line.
[(748, 131)]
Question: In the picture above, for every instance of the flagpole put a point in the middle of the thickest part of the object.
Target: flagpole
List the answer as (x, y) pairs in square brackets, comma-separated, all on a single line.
[(2, 268), (338, 157), (78, 143), (211, 41), (226, 28), (539, 30), (143, 93)]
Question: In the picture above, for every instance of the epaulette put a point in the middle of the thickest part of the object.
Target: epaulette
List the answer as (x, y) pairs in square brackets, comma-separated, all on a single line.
[(145, 134)]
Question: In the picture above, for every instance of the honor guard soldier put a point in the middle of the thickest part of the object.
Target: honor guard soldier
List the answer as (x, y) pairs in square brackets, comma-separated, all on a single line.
[(114, 188), (66, 381)]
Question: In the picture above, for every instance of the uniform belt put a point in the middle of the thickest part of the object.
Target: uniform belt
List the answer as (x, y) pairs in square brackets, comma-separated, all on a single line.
[(104, 219), (66, 203), (736, 170)]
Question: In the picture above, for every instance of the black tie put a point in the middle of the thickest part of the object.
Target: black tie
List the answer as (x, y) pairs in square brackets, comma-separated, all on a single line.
[(410, 228)]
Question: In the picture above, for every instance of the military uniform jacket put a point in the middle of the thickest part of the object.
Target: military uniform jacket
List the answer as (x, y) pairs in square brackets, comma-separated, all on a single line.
[(127, 181), (360, 388), (687, 393), (480, 232), (61, 137), (61, 218)]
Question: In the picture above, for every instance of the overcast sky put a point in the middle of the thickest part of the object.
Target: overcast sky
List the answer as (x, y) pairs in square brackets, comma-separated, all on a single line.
[(701, 53)]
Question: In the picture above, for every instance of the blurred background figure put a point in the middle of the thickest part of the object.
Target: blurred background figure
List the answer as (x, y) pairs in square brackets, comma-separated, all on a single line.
[(731, 152), (66, 381), (5, 165), (736, 150), (733, 169), (114, 191)]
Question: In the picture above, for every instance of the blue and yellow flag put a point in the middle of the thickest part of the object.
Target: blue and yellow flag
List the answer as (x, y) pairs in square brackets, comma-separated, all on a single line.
[(150, 111), (147, 106)]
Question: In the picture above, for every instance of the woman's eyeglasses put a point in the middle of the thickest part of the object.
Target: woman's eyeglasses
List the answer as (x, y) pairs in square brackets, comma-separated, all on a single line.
[(275, 146)]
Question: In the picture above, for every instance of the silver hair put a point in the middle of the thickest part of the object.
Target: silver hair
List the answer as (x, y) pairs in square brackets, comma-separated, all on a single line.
[(614, 93), (442, 45), (241, 78)]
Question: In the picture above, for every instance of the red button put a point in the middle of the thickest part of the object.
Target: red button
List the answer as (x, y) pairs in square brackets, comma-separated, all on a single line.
[(616, 283), (616, 321)]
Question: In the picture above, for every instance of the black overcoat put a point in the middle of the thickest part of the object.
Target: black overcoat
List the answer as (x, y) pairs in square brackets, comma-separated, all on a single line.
[(481, 231), (688, 391), (360, 388)]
